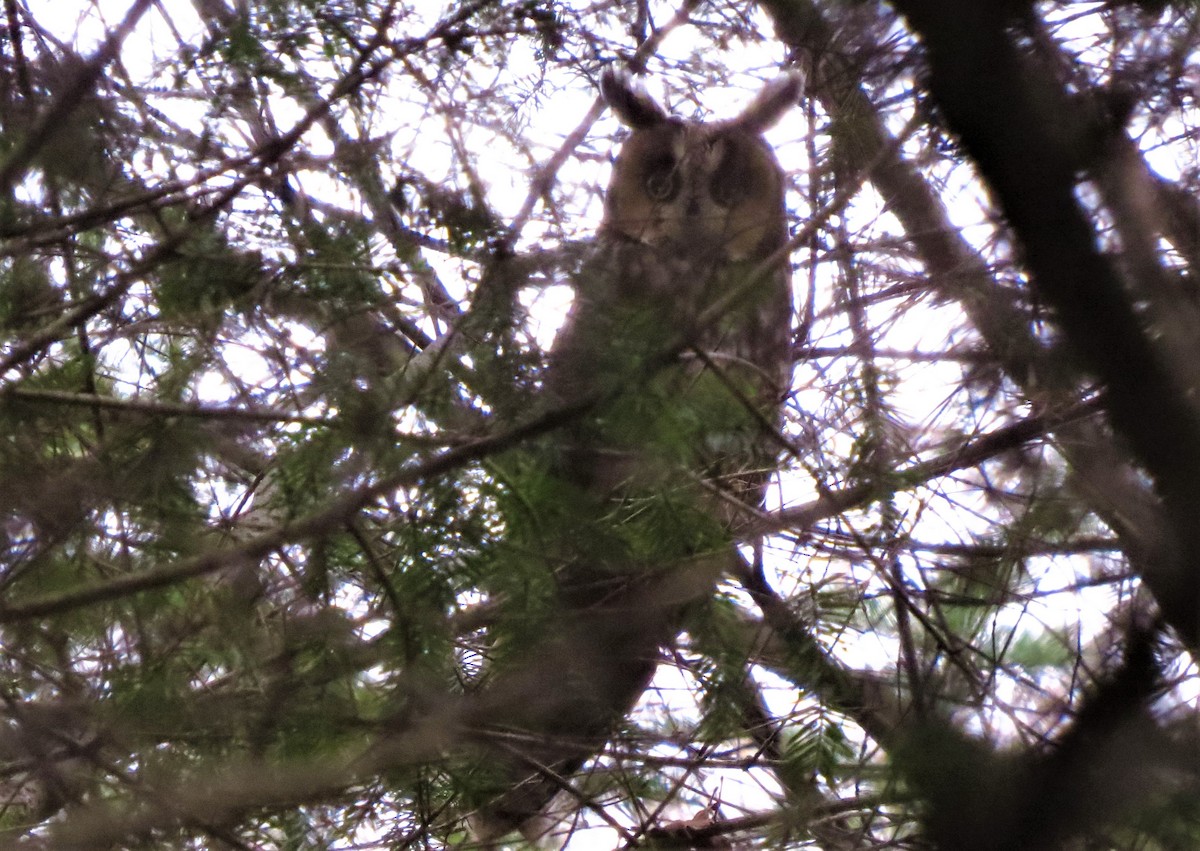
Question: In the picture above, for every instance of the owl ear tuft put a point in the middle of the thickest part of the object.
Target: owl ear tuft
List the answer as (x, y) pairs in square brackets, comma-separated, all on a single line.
[(776, 98), (629, 101)]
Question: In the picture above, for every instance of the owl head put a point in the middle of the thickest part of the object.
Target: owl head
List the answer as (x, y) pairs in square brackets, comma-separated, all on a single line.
[(708, 189)]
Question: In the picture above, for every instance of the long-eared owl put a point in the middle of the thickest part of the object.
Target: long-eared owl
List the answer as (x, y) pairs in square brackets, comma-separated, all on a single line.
[(678, 347), (693, 216)]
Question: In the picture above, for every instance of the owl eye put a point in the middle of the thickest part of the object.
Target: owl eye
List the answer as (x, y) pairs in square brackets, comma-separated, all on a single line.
[(732, 181), (662, 184), (729, 188)]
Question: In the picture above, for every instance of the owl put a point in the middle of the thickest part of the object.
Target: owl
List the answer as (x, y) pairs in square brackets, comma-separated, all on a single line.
[(677, 349)]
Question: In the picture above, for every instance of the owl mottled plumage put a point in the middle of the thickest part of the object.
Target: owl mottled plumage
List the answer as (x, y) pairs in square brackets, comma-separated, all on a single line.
[(680, 339)]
